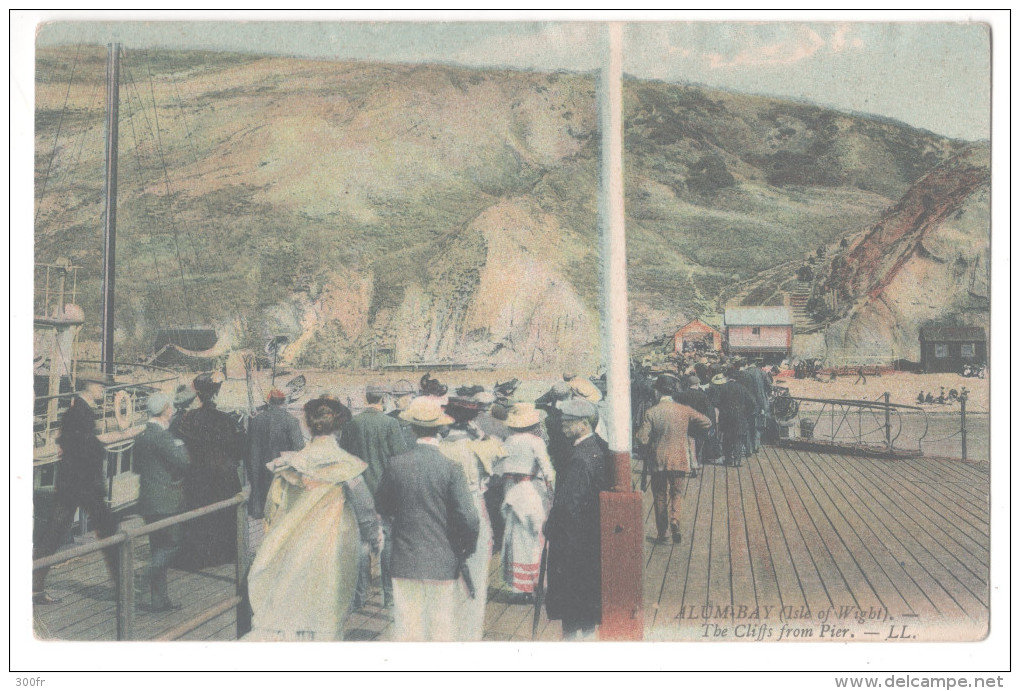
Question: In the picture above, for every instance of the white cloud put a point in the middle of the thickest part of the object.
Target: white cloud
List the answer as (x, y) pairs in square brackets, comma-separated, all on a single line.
[(801, 44)]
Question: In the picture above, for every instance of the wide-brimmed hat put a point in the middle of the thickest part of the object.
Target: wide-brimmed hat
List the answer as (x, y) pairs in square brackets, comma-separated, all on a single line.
[(577, 409), (719, 379), (522, 416), (484, 398), (403, 387), (424, 412)]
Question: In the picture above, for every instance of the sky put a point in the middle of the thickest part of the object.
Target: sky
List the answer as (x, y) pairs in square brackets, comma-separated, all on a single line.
[(933, 75)]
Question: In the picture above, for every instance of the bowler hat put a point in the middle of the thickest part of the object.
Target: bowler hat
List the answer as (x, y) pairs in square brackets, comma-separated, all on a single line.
[(376, 389), (424, 412), (693, 380), (403, 388), (577, 409)]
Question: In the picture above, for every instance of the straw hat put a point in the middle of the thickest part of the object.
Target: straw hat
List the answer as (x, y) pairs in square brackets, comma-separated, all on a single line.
[(424, 412), (522, 416), (719, 379)]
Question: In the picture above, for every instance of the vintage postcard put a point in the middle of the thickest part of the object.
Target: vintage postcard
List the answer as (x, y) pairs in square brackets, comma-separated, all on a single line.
[(512, 331)]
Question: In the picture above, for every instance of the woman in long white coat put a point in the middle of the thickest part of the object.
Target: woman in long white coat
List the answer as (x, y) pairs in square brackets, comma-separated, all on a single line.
[(319, 511)]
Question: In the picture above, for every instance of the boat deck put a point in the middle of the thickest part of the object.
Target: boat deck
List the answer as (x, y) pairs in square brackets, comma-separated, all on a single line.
[(793, 544)]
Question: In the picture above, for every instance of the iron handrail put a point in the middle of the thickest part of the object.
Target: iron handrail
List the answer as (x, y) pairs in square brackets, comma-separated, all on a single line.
[(862, 405), (124, 540)]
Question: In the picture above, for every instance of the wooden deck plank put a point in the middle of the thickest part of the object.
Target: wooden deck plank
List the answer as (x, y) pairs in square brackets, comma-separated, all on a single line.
[(657, 561), (741, 571), (720, 579), (900, 517), (791, 589), (691, 584), (822, 550), (965, 494), (804, 562), (860, 571), (959, 511), (828, 523), (970, 554), (886, 577), (763, 562), (898, 549)]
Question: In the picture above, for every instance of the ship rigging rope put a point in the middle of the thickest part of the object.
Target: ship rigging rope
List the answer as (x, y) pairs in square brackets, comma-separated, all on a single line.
[(60, 124), (172, 197), (173, 226), (161, 298)]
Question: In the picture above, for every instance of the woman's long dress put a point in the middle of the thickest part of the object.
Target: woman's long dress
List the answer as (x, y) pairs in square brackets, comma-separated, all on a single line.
[(302, 581)]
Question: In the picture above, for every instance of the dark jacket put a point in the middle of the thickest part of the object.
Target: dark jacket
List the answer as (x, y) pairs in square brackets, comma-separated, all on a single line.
[(215, 447), (405, 429), (435, 524), (374, 437), (270, 433), (491, 426), (757, 384), (736, 407), (573, 531), (80, 470), (161, 462), (699, 400)]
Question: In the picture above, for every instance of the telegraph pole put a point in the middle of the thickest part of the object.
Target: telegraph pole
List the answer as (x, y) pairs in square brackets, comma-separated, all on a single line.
[(622, 529)]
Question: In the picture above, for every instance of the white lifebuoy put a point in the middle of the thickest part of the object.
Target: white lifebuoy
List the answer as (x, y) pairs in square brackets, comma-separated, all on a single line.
[(123, 410)]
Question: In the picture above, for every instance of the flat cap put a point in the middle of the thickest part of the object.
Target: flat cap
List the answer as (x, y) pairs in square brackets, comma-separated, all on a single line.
[(577, 409), (158, 402)]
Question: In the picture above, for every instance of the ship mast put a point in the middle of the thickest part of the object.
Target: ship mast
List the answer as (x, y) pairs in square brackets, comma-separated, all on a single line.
[(110, 210)]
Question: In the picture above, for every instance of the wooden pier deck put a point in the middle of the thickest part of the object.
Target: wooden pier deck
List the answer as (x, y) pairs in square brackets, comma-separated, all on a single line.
[(793, 544)]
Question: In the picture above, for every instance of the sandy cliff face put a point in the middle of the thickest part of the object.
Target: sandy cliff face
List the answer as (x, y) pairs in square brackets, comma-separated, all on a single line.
[(447, 213), (926, 262)]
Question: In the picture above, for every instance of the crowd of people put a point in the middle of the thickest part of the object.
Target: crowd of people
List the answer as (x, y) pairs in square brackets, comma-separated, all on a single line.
[(425, 486)]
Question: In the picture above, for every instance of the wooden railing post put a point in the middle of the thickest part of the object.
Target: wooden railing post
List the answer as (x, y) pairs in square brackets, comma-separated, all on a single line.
[(963, 425), (126, 589), (242, 618)]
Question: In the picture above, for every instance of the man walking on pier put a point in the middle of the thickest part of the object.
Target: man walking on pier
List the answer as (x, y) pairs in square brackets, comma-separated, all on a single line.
[(664, 432)]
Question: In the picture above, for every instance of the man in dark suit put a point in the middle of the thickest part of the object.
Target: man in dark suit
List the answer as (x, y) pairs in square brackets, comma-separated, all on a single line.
[(574, 566), (401, 394), (270, 433), (79, 481), (434, 529), (374, 437), (161, 462)]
